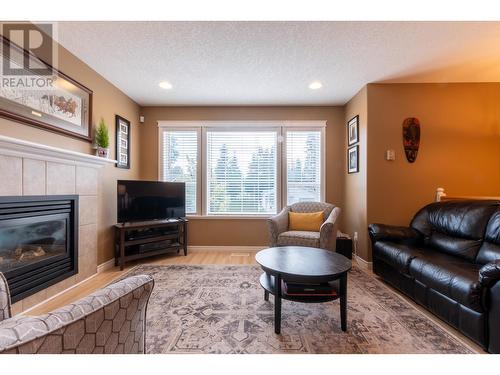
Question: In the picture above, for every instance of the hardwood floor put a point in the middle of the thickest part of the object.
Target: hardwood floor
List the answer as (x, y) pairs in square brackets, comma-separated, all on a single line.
[(104, 278)]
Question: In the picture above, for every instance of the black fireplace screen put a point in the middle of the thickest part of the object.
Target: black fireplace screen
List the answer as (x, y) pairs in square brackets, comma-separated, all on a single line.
[(31, 240), (38, 241)]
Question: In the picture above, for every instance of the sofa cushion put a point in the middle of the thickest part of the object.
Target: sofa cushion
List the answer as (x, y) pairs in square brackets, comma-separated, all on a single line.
[(453, 277), (490, 249), (455, 227), (459, 247), (299, 238), (396, 255)]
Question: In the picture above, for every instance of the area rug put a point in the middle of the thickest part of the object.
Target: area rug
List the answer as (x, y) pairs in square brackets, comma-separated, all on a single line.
[(221, 309)]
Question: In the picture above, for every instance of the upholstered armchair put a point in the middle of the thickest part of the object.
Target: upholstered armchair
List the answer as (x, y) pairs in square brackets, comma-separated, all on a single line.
[(111, 320), (326, 238)]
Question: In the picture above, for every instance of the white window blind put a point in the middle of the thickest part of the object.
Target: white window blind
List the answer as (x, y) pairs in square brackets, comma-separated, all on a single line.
[(303, 159), (179, 153), (241, 172)]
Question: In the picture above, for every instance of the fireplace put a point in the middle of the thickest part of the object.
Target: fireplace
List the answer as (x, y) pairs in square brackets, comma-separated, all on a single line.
[(38, 241)]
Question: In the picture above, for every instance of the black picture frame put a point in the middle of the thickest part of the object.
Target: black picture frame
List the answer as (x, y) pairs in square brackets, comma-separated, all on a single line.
[(122, 142), (53, 105), (353, 159), (353, 131)]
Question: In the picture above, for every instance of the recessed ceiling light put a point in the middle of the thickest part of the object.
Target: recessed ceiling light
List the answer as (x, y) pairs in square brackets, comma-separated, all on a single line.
[(315, 85), (165, 85)]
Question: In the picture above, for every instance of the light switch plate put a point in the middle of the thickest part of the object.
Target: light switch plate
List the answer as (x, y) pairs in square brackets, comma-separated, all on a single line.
[(390, 155)]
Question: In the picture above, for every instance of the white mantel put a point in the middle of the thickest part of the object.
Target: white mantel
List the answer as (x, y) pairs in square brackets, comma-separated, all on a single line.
[(25, 149)]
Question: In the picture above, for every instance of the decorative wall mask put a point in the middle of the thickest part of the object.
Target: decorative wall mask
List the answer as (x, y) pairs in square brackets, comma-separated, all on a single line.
[(411, 138)]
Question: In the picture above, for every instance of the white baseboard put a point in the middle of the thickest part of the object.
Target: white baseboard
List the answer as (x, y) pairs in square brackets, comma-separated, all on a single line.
[(106, 265), (234, 249), (363, 263)]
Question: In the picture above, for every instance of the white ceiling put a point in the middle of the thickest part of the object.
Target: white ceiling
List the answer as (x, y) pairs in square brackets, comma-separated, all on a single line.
[(272, 63)]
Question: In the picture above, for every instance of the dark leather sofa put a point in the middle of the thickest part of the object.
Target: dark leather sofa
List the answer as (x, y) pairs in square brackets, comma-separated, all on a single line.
[(448, 260)]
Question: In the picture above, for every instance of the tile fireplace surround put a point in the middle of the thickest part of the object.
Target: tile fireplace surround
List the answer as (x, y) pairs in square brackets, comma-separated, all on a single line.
[(28, 168)]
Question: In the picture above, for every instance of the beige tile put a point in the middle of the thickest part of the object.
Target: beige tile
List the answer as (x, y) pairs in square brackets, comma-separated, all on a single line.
[(60, 178), (16, 308), (11, 172), (34, 299), (88, 242), (33, 177), (60, 286), (86, 180), (87, 209), (86, 268)]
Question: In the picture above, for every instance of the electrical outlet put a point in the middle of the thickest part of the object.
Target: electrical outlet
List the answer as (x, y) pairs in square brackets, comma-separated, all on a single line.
[(355, 237)]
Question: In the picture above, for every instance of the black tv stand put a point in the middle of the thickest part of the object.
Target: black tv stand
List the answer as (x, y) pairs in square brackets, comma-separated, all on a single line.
[(142, 239)]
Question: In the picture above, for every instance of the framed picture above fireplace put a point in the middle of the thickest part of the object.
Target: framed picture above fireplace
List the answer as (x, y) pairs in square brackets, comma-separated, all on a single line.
[(53, 102)]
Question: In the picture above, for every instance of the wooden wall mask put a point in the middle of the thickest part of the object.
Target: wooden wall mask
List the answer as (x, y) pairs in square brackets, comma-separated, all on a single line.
[(411, 138)]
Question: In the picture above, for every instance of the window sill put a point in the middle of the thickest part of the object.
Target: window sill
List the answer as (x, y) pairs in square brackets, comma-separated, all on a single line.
[(228, 217)]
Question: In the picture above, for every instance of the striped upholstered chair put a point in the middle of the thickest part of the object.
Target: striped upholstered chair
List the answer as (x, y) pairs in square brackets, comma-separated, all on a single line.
[(111, 320), (326, 238)]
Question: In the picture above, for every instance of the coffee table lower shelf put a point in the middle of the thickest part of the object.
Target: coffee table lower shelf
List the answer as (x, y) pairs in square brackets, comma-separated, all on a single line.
[(267, 283)]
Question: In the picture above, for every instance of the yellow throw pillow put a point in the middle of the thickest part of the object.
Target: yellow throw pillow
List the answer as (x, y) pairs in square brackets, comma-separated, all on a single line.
[(310, 221)]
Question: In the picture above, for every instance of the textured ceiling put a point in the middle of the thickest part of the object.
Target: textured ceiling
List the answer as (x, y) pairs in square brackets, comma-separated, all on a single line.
[(272, 63)]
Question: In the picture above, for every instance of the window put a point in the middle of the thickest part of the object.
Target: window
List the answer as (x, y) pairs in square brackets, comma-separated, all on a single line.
[(179, 162), (238, 169), (241, 172), (303, 166)]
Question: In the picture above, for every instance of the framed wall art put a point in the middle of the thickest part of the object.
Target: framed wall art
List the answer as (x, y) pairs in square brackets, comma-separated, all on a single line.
[(353, 159), (353, 131), (54, 102), (122, 142)]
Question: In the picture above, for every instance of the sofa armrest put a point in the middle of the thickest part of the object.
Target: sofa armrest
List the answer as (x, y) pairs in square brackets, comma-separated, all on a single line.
[(489, 274), (118, 310), (328, 231), (277, 224), (5, 312), (382, 232)]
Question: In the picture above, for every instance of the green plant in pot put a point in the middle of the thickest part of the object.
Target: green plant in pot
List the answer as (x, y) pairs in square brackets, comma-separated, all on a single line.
[(102, 139)]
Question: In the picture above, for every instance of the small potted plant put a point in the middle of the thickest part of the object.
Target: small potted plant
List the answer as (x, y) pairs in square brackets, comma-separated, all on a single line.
[(102, 140)]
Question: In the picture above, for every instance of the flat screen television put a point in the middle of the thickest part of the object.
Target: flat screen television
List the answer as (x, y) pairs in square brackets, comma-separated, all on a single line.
[(150, 200)]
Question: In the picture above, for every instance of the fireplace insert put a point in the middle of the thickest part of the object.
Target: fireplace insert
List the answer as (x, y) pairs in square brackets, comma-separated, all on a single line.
[(38, 241)]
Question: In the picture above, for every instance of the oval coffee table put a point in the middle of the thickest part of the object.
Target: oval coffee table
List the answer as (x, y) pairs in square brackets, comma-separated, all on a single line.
[(303, 265)]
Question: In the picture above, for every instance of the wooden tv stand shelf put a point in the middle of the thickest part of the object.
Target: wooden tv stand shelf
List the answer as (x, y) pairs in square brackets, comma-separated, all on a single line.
[(142, 239)]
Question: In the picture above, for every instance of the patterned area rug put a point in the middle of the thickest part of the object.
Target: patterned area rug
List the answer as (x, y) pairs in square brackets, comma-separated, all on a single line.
[(221, 309)]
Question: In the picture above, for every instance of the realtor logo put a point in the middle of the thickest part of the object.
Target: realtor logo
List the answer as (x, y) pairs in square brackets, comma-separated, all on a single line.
[(34, 40)]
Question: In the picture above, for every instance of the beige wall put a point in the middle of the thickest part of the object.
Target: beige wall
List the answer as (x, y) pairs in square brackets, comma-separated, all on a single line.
[(243, 232), (107, 102), (355, 184), (459, 149)]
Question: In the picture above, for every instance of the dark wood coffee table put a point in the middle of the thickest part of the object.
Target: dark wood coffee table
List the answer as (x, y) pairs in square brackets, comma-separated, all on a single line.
[(303, 265)]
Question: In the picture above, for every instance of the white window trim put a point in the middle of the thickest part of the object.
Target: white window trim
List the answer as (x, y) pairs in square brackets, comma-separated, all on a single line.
[(197, 129), (281, 127), (322, 154)]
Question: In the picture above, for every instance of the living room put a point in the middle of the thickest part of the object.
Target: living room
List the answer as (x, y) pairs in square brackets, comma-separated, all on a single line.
[(249, 186)]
